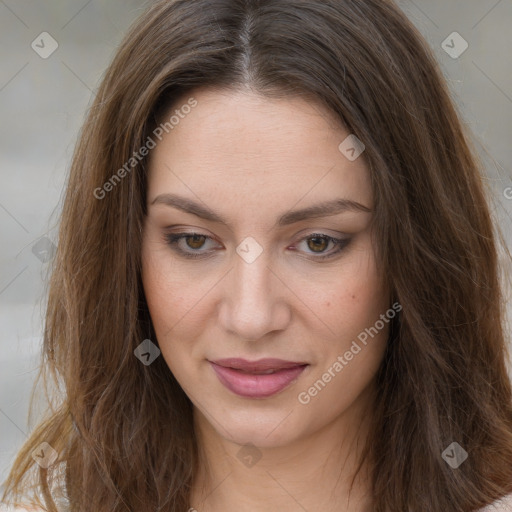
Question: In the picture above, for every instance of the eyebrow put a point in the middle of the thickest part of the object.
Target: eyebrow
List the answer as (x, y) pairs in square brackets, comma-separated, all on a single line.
[(325, 209)]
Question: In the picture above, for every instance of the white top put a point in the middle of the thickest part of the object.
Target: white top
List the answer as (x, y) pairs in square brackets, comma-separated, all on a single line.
[(502, 505)]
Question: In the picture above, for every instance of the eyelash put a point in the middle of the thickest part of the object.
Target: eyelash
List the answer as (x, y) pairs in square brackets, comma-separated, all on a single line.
[(172, 240)]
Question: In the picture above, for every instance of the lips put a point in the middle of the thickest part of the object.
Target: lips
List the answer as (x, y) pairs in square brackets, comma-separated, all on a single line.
[(257, 379), (262, 365)]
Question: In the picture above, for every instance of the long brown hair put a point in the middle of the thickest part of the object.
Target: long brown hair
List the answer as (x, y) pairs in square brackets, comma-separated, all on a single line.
[(123, 431)]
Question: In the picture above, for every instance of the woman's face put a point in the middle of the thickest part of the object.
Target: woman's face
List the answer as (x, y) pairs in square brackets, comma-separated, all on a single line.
[(260, 273)]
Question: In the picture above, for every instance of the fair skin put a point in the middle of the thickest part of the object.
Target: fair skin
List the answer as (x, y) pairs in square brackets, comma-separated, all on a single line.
[(251, 159)]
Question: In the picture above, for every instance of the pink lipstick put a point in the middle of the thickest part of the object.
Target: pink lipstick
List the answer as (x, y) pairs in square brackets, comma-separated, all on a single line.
[(257, 379)]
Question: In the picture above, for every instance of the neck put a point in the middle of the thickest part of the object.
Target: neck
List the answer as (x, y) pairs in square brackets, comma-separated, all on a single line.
[(316, 472)]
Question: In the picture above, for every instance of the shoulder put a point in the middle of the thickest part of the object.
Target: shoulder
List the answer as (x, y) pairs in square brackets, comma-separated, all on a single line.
[(502, 505)]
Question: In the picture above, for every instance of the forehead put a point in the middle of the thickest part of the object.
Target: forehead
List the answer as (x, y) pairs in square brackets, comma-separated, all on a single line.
[(251, 152)]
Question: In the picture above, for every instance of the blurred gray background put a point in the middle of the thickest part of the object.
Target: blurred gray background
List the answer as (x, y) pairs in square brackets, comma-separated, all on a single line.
[(43, 98)]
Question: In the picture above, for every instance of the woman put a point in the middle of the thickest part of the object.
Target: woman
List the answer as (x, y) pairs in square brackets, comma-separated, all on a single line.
[(276, 268)]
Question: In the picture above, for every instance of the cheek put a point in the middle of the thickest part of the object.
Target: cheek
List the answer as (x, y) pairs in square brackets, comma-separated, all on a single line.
[(161, 289), (169, 291), (356, 297), (351, 356), (176, 300), (168, 309)]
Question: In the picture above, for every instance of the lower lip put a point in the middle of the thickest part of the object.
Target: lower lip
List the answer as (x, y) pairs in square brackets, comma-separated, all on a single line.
[(256, 386)]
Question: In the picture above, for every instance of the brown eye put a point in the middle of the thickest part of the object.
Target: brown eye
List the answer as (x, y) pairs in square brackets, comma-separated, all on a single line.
[(194, 242), (319, 244), (197, 241)]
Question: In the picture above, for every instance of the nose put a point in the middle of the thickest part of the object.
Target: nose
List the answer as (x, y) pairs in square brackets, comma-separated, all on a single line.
[(254, 301)]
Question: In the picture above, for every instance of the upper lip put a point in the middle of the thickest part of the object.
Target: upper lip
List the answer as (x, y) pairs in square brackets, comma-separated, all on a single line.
[(257, 366)]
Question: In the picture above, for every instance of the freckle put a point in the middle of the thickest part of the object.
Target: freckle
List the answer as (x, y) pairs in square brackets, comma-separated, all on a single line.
[(353, 296)]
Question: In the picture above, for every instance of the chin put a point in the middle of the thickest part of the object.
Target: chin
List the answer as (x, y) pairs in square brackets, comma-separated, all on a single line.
[(264, 429)]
